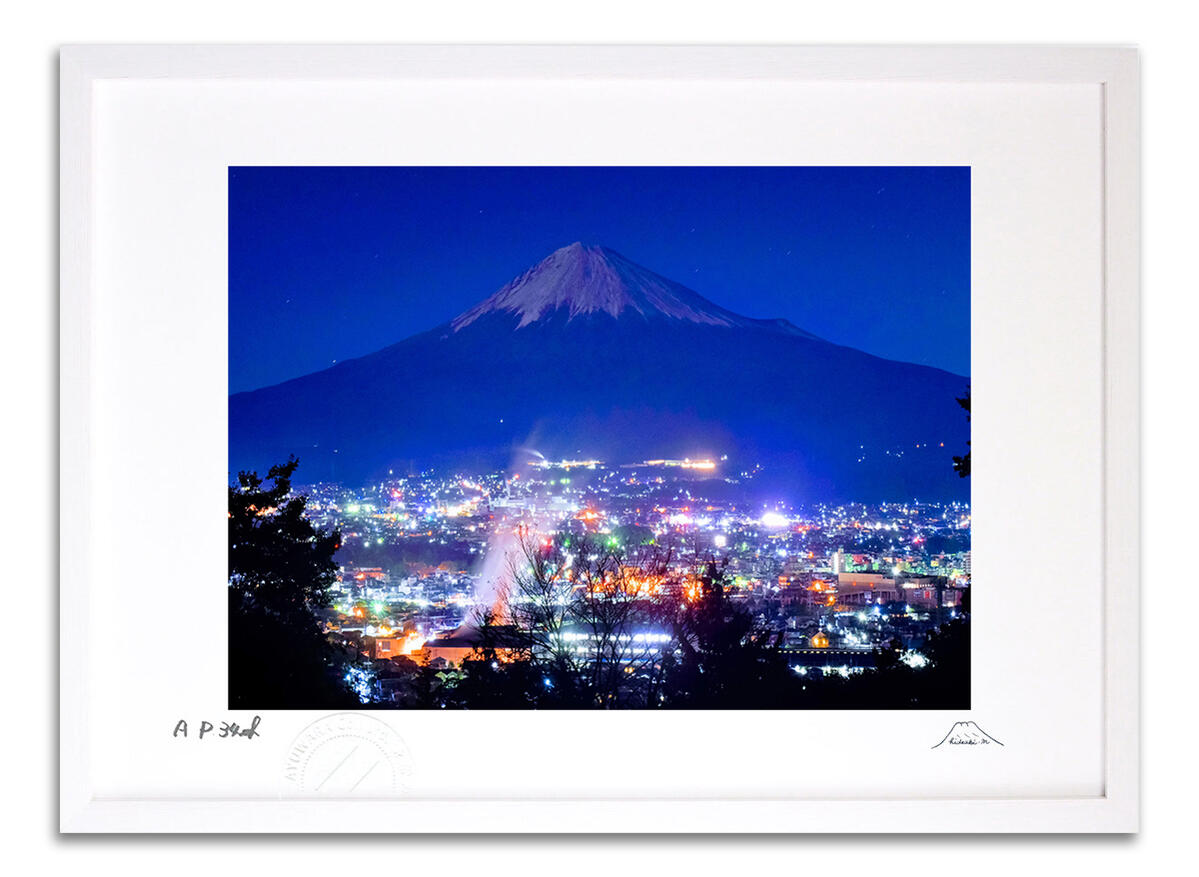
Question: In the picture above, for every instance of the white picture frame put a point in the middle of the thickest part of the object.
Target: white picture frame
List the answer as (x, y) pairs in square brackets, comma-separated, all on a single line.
[(89, 327)]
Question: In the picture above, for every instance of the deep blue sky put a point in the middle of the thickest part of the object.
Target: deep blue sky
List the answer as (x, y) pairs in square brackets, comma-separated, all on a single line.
[(331, 263)]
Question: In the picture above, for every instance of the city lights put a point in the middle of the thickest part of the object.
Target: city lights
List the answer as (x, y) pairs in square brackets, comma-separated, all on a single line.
[(774, 519), (592, 487), (834, 585)]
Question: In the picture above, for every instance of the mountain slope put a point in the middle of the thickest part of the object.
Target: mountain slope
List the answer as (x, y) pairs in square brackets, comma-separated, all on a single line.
[(580, 280), (589, 354)]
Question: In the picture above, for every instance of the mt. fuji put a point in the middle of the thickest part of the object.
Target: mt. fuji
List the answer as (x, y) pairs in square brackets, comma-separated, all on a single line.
[(592, 280), (589, 354)]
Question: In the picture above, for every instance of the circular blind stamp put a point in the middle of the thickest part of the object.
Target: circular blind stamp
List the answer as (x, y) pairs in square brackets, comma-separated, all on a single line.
[(348, 755)]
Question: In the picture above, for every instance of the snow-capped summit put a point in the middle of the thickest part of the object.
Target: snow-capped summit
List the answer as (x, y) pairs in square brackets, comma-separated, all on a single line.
[(586, 279), (589, 353)]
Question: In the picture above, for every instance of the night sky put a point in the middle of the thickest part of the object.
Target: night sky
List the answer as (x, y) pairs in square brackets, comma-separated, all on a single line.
[(331, 263)]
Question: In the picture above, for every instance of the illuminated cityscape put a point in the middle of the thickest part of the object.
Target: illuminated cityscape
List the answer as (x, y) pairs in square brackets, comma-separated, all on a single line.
[(422, 556), (476, 462)]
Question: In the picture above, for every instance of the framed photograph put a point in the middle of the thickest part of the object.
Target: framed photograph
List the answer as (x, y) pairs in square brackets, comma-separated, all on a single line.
[(609, 439)]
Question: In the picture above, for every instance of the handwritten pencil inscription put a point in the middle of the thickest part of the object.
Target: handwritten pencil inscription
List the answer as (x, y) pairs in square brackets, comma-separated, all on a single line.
[(226, 729)]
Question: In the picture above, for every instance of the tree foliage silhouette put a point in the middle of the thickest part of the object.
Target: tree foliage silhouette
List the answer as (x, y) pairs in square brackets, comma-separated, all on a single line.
[(961, 465), (572, 590), (280, 571), (725, 659)]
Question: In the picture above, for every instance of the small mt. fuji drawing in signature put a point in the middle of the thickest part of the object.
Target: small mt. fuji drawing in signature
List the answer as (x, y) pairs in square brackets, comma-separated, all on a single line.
[(967, 734)]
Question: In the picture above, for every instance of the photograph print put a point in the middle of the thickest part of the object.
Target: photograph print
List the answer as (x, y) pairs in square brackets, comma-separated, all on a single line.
[(599, 438)]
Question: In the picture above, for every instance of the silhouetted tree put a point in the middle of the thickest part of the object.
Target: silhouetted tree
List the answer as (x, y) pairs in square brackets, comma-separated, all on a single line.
[(725, 659), (280, 570), (961, 465), (578, 614), (948, 652), (886, 657)]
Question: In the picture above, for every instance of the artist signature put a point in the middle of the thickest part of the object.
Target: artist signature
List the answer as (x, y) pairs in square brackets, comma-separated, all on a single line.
[(224, 730), (967, 734)]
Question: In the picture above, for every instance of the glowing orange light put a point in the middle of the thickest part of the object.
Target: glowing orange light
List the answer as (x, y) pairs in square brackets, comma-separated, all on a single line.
[(412, 642)]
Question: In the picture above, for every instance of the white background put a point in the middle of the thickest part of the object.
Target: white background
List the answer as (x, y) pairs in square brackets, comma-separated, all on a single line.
[(29, 331)]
